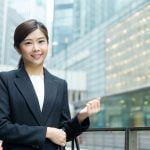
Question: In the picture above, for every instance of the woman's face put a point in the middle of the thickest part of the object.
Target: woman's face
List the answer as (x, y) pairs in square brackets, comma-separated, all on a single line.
[(34, 48)]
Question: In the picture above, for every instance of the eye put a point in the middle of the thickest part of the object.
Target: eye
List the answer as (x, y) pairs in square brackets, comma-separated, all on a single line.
[(41, 41), (28, 43)]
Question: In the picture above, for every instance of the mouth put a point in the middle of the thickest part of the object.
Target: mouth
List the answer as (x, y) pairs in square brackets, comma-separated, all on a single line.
[(36, 56)]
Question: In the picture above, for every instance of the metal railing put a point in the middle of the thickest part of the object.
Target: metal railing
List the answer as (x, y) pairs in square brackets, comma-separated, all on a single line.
[(136, 138)]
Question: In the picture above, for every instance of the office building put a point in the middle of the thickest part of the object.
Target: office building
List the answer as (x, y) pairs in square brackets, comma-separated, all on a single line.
[(3, 11), (62, 25), (109, 51)]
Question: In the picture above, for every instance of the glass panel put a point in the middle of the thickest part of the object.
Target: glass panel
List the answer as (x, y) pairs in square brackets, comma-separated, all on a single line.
[(143, 140), (101, 140), (130, 109)]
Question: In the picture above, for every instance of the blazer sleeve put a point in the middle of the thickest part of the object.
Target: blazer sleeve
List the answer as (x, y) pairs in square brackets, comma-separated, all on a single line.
[(72, 126), (12, 132)]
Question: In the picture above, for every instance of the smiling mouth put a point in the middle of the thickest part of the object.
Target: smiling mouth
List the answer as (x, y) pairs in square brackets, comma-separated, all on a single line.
[(37, 56)]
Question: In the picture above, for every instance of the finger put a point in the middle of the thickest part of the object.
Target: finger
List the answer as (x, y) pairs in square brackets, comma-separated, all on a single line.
[(94, 106), (97, 105), (63, 141), (63, 144), (62, 132), (88, 108)]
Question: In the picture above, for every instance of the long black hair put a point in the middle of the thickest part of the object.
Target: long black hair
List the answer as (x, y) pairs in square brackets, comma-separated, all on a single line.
[(23, 30)]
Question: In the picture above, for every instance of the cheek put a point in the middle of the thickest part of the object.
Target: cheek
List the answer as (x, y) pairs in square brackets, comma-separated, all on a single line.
[(45, 49), (24, 52)]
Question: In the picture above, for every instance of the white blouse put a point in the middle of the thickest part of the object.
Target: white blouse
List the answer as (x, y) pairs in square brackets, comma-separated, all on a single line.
[(38, 84)]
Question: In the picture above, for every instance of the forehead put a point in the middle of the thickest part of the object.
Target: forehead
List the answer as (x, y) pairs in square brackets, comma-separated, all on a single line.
[(35, 34)]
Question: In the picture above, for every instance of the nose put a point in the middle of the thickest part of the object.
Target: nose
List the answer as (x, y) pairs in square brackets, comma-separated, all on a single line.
[(36, 47)]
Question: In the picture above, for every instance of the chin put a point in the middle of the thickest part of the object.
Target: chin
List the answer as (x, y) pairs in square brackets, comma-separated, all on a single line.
[(38, 64)]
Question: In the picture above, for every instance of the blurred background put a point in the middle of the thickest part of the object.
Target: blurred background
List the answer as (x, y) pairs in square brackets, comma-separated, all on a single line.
[(102, 48)]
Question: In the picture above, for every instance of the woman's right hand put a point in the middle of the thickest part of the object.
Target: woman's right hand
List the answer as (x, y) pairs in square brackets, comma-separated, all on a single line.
[(1, 148), (57, 136)]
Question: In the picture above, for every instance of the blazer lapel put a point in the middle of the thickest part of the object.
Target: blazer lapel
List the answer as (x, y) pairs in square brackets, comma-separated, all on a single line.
[(25, 86), (50, 95)]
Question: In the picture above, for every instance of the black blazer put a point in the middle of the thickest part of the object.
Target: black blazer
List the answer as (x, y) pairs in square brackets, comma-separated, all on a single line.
[(22, 124)]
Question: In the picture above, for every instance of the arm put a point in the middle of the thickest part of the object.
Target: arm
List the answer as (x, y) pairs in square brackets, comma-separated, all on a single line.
[(13, 132), (73, 127)]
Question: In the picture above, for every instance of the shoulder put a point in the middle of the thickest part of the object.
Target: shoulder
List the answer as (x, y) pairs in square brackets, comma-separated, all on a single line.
[(55, 78), (5, 75), (6, 78)]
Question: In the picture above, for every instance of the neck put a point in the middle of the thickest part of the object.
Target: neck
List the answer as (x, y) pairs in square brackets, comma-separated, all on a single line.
[(34, 70)]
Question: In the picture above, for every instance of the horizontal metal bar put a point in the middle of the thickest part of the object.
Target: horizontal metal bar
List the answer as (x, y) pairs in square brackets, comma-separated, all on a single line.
[(119, 129), (139, 128), (105, 129)]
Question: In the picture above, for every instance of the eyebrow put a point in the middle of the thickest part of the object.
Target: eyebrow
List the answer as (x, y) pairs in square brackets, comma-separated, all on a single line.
[(40, 38)]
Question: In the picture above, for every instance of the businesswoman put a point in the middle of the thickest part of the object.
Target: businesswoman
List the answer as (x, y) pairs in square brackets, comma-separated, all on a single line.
[(34, 112)]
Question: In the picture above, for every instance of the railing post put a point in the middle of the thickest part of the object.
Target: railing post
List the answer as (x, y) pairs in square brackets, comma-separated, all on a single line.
[(132, 140), (126, 147)]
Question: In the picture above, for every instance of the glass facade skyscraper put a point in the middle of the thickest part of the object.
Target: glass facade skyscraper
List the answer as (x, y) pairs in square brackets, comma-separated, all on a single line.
[(110, 48), (89, 14), (10, 55), (2, 28), (62, 25), (127, 52)]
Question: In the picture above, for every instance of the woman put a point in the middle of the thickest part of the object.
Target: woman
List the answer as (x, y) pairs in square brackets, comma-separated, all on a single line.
[(34, 112)]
